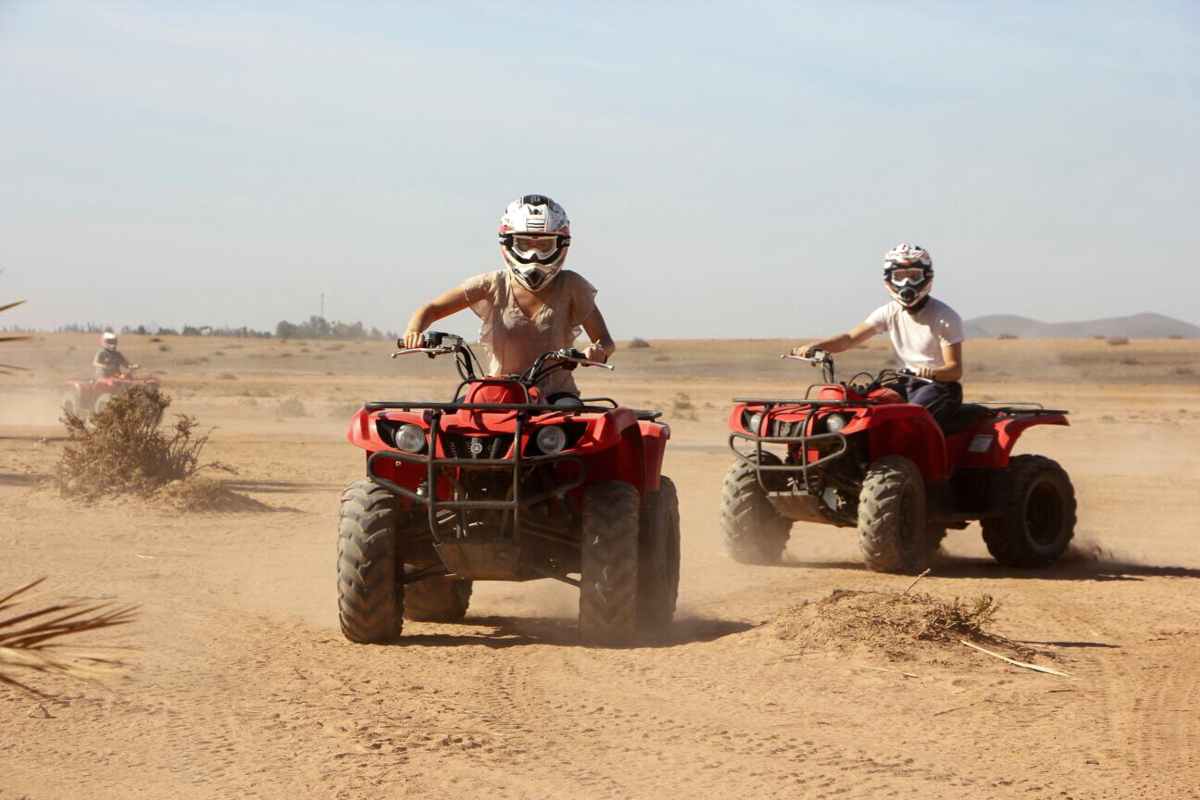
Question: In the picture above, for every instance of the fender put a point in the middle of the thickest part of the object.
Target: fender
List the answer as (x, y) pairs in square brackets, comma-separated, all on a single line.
[(908, 430), (991, 446)]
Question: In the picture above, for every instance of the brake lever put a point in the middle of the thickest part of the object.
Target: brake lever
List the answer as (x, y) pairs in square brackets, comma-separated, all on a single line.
[(432, 352)]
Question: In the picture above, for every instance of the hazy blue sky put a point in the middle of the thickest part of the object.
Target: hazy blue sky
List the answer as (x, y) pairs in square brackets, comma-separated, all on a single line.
[(730, 169)]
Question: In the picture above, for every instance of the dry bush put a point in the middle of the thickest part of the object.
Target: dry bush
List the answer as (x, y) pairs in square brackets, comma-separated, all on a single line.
[(122, 450), (155, 339), (1116, 341), (292, 407), (227, 376), (162, 348), (1129, 361), (32, 640), (1008, 336), (682, 407), (890, 621), (637, 343)]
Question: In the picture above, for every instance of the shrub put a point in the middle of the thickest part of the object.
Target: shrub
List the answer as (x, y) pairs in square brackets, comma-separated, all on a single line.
[(124, 451), (637, 343), (1117, 340), (1008, 336)]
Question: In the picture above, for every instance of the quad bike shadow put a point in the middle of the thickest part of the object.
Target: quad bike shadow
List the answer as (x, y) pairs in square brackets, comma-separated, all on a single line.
[(1070, 568), (506, 631)]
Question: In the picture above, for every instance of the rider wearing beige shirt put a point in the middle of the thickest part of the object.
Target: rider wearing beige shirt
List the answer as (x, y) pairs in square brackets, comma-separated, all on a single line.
[(530, 307)]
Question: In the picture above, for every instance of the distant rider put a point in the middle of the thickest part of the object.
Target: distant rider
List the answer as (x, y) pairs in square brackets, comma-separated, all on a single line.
[(532, 305), (109, 362), (926, 334)]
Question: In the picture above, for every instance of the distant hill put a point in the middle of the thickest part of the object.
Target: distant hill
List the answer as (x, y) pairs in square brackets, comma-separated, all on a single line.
[(1139, 326)]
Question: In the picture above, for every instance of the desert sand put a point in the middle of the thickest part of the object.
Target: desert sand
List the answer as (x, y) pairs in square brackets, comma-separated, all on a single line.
[(242, 685)]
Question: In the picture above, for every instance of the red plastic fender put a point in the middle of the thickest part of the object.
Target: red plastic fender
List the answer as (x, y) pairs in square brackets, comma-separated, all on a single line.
[(991, 446), (654, 448), (908, 430)]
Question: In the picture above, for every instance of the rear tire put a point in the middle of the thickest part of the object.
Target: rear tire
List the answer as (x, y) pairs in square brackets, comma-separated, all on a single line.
[(892, 529), (658, 558), (437, 599), (754, 532), (370, 598), (609, 571), (1037, 520)]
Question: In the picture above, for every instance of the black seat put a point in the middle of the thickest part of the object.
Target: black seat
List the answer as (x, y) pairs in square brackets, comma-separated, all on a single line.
[(967, 416)]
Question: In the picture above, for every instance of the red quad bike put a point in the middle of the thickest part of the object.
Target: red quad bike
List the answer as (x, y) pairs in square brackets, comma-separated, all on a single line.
[(502, 484), (85, 398), (855, 454)]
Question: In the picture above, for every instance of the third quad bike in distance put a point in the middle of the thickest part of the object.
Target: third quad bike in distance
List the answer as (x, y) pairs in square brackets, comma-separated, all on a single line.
[(500, 483), (85, 398), (854, 454)]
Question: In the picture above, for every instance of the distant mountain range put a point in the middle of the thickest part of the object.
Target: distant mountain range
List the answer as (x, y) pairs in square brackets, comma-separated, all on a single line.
[(1139, 326)]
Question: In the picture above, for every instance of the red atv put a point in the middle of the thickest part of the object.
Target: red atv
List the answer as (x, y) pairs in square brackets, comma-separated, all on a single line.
[(856, 455), (85, 398), (502, 484)]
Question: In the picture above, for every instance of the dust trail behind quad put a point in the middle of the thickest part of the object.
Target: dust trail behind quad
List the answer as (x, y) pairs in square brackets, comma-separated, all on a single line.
[(246, 688)]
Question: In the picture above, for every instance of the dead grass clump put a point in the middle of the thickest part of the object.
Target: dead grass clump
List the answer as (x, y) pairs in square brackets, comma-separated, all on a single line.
[(1129, 361), (155, 339), (227, 376), (682, 407), (34, 640), (292, 407), (122, 450), (1008, 337), (205, 494), (637, 343), (1117, 341), (891, 622), (163, 348)]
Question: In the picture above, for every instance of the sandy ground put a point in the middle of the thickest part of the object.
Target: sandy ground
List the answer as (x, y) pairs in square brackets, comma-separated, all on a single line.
[(243, 686)]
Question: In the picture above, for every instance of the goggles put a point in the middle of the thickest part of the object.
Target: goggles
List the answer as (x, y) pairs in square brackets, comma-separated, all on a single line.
[(535, 248), (901, 276)]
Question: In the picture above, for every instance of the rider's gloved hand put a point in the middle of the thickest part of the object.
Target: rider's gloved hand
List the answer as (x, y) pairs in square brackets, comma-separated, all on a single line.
[(412, 339), (595, 352), (804, 350)]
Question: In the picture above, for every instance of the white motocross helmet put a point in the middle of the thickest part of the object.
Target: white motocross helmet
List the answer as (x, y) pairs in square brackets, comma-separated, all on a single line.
[(109, 340), (908, 274), (534, 236)]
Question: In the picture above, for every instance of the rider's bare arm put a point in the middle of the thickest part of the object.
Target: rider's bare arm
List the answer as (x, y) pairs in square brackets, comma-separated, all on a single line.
[(445, 304), (836, 344), (602, 345), (953, 365)]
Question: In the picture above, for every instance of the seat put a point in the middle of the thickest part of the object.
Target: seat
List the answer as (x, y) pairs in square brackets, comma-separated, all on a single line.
[(966, 417)]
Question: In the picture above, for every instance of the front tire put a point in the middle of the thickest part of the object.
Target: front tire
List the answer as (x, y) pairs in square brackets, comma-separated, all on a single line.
[(370, 596), (753, 531), (892, 529), (1037, 520), (658, 558), (609, 571)]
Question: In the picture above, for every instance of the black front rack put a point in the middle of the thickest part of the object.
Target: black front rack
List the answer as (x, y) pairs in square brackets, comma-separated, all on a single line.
[(803, 440), (433, 464)]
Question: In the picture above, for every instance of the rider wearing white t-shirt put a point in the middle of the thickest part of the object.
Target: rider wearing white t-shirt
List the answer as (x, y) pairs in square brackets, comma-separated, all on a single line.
[(926, 334)]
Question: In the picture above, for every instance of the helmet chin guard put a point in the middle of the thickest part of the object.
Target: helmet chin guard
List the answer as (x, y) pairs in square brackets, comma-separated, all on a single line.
[(534, 236)]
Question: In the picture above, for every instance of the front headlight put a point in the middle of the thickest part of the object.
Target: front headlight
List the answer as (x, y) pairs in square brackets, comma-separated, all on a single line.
[(754, 421), (835, 422), (551, 440), (410, 438)]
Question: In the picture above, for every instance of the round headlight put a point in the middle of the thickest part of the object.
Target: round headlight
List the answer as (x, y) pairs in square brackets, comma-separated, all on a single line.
[(754, 421), (551, 440), (835, 422), (410, 438)]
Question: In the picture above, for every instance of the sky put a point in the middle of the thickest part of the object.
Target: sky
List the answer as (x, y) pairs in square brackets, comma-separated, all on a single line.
[(731, 170)]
